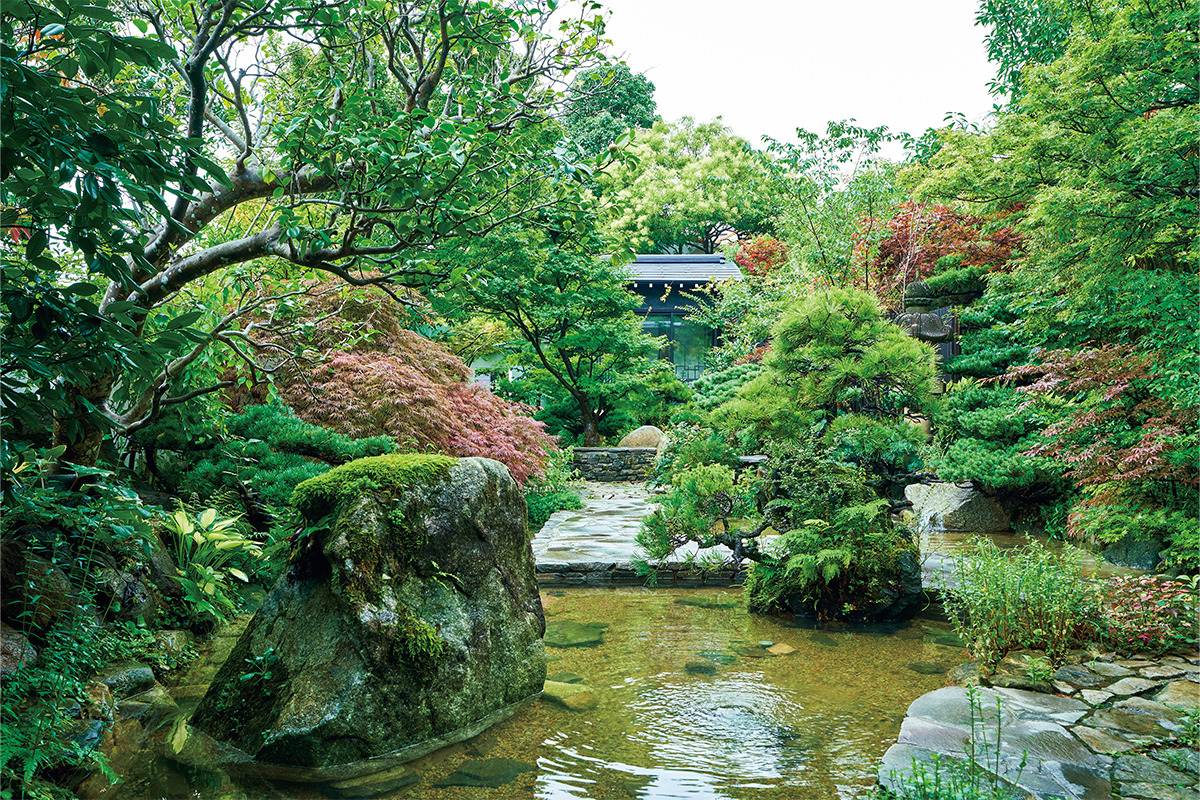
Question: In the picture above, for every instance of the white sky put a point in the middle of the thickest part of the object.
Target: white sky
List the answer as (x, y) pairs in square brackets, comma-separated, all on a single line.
[(768, 66)]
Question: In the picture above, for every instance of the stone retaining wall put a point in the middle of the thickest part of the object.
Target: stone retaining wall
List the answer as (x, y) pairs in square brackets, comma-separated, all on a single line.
[(601, 573), (614, 464)]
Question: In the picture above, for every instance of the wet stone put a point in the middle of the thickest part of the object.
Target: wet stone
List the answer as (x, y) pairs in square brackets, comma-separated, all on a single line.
[(1146, 770), (569, 633), (1181, 695), (1157, 791), (488, 772), (782, 649), (391, 780), (1180, 758), (1129, 686), (127, 678), (825, 640), (564, 677), (573, 696), (1095, 697), (706, 602), (1100, 741), (1109, 670), (1144, 719), (718, 656), (1079, 676), (968, 674), (928, 668), (700, 668), (1161, 671)]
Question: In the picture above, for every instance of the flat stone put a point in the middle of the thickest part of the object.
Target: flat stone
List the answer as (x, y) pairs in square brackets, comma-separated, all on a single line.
[(1140, 717), (1180, 758), (388, 780), (1157, 791), (1101, 742), (1079, 676), (1129, 686), (781, 649), (488, 772), (1032, 705), (569, 633), (1109, 670), (933, 735), (700, 668), (1146, 770), (1062, 687), (951, 706), (1161, 671), (127, 678), (1095, 697), (574, 696), (1047, 741), (1181, 695), (928, 668), (968, 674), (564, 677)]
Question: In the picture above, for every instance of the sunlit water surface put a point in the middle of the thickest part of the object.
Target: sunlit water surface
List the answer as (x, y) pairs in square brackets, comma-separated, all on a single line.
[(690, 705)]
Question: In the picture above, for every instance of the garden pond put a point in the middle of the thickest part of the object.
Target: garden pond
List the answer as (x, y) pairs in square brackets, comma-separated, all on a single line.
[(676, 693)]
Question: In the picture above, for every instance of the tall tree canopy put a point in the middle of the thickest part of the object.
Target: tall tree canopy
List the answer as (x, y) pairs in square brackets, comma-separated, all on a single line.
[(341, 137), (690, 186), (603, 103)]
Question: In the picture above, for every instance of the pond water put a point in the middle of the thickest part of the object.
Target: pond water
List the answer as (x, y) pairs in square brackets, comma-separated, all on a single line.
[(689, 702)]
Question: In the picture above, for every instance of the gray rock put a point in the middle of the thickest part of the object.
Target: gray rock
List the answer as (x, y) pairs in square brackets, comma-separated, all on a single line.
[(124, 596), (33, 592), (1128, 686), (1135, 552), (1109, 670), (1078, 676), (1147, 770), (700, 668), (411, 622), (1139, 720), (1181, 695), (645, 436), (928, 668), (1100, 741), (386, 781), (15, 649), (947, 507), (127, 678), (1157, 791), (969, 674)]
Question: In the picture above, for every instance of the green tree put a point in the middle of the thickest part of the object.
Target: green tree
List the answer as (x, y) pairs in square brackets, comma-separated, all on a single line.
[(1021, 33), (603, 103), (395, 126), (689, 186), (573, 313)]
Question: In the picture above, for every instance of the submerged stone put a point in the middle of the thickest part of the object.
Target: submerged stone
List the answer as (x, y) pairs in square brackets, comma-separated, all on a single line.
[(718, 656), (488, 772), (411, 620), (706, 602), (574, 696), (700, 668), (564, 677), (928, 668), (825, 640), (569, 633)]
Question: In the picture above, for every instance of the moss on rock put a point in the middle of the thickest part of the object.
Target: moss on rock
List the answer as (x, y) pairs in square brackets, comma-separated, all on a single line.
[(318, 496)]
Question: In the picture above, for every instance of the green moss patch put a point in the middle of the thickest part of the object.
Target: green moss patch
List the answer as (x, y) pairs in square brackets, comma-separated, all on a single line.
[(318, 496)]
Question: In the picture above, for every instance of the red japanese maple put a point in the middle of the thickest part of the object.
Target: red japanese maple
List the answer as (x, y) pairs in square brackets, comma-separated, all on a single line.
[(761, 255)]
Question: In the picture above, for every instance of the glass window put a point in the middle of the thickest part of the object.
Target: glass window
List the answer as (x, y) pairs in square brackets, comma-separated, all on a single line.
[(692, 341), (659, 325)]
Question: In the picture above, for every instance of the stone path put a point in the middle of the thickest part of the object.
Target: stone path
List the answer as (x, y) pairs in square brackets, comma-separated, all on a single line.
[(1110, 731), (596, 545)]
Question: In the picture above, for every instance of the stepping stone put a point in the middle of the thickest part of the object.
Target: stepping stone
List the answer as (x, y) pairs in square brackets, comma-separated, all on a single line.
[(1109, 670), (781, 649), (1162, 671), (700, 668), (718, 656), (1102, 742), (823, 639), (1078, 675), (1157, 791), (1183, 695), (928, 668), (1139, 720), (1128, 686), (1095, 697), (1146, 770)]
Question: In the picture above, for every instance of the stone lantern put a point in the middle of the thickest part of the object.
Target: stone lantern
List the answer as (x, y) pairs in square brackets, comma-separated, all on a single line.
[(918, 319)]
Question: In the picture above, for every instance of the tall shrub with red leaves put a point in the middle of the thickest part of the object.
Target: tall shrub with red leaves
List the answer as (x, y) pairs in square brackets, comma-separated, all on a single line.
[(761, 255), (917, 237), (376, 377)]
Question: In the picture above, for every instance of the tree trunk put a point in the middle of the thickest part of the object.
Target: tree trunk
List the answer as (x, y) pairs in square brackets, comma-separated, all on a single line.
[(591, 426), (78, 431)]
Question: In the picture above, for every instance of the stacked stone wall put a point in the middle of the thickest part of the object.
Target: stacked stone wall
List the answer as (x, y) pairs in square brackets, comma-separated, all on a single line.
[(615, 464)]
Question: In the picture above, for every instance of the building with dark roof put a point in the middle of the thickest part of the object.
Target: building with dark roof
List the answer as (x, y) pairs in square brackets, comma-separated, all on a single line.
[(661, 280)]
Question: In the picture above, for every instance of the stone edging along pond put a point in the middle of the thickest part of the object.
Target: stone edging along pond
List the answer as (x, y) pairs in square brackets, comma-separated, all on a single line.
[(1110, 728)]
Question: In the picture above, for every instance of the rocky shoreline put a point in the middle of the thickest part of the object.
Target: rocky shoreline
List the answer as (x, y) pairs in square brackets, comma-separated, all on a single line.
[(1098, 727)]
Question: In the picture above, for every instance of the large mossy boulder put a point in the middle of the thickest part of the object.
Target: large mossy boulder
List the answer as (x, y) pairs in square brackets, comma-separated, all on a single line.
[(409, 619)]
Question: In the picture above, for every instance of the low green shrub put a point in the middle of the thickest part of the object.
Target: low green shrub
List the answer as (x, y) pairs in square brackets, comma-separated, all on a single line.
[(553, 491), (542, 504), (689, 445), (719, 386), (1025, 598), (210, 553)]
